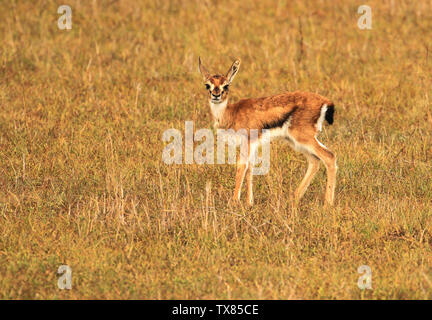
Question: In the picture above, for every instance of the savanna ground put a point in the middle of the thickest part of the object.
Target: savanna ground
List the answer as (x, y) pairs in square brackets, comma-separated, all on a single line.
[(82, 181)]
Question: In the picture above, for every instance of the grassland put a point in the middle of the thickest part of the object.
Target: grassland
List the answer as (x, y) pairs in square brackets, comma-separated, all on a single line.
[(82, 181)]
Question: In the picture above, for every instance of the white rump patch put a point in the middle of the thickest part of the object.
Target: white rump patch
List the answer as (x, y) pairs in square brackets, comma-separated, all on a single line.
[(322, 117)]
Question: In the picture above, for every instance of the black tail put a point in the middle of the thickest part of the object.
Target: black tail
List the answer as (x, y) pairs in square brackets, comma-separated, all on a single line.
[(330, 113)]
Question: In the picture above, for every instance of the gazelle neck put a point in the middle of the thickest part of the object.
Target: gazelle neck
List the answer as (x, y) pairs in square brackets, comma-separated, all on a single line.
[(217, 110)]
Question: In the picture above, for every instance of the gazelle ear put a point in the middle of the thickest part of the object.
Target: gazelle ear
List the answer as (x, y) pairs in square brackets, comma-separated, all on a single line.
[(233, 70), (203, 70)]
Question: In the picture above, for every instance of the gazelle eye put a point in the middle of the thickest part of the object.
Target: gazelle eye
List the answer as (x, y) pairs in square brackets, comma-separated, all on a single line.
[(226, 87), (207, 86)]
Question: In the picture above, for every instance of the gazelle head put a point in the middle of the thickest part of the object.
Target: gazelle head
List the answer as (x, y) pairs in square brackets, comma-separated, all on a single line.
[(218, 85)]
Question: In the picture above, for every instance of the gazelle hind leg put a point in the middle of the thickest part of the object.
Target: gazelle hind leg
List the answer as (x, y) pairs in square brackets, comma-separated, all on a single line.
[(329, 160), (313, 167)]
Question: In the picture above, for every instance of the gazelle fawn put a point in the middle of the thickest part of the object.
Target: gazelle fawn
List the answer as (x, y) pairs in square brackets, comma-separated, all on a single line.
[(295, 116)]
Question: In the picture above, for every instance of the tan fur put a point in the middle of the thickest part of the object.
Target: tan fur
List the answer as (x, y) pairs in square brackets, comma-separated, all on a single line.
[(301, 109)]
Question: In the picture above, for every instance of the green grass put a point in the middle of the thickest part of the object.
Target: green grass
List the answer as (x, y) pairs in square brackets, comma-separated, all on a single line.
[(82, 181)]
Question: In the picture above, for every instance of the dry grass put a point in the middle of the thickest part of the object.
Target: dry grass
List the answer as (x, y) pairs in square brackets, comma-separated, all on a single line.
[(81, 177)]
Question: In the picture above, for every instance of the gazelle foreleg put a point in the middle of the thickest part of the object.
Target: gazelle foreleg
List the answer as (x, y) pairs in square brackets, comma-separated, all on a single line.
[(249, 178), (242, 168), (245, 163), (252, 149)]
